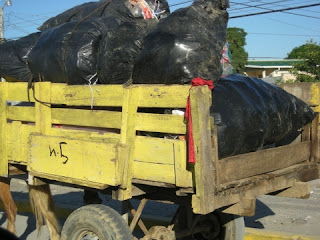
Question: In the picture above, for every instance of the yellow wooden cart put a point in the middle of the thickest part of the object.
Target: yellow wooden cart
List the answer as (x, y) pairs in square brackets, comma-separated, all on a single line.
[(125, 140)]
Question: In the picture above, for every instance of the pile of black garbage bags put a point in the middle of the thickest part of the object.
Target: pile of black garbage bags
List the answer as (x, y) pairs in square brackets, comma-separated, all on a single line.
[(137, 41)]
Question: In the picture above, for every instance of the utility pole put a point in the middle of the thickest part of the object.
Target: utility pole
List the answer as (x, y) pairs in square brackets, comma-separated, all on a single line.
[(7, 3), (1, 25)]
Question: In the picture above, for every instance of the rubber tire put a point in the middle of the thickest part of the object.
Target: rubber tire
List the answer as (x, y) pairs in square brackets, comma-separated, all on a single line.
[(99, 219), (232, 227)]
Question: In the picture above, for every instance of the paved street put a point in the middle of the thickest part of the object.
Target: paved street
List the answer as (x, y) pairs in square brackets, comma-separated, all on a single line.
[(295, 216)]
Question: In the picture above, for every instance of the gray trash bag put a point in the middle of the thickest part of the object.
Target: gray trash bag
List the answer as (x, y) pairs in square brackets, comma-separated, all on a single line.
[(186, 44), (13, 58), (251, 113)]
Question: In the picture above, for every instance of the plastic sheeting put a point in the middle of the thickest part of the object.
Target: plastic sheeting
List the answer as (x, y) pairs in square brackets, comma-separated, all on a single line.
[(13, 58), (186, 44), (117, 53), (251, 113), (106, 8)]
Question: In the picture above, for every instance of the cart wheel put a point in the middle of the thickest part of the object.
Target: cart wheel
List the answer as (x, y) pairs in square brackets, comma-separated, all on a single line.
[(95, 222), (224, 227)]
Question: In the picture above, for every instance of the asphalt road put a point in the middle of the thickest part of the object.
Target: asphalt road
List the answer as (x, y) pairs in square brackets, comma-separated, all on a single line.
[(275, 214)]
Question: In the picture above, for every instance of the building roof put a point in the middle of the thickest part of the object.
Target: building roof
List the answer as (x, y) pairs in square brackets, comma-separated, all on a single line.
[(283, 63)]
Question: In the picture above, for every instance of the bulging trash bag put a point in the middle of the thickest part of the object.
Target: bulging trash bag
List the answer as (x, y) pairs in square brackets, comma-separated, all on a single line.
[(68, 53), (118, 50), (186, 44), (122, 10), (251, 113), (13, 58)]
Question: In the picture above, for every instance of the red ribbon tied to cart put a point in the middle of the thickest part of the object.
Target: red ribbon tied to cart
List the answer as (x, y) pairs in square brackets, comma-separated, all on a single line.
[(194, 82)]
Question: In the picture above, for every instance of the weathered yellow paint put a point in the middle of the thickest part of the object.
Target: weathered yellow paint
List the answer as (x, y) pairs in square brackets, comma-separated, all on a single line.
[(154, 172), (84, 95), (3, 130), (19, 92), (19, 113), (164, 96), (154, 150), (315, 94), (17, 141), (162, 123), (127, 139), (93, 161), (183, 175), (79, 117)]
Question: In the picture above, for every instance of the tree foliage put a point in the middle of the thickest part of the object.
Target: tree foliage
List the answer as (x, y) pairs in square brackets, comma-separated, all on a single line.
[(309, 69), (237, 40)]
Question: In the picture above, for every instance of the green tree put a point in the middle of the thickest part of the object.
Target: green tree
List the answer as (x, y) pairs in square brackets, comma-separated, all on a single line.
[(309, 69), (237, 40)]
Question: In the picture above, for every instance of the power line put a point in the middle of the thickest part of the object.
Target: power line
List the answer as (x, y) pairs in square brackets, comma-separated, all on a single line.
[(284, 34), (278, 10)]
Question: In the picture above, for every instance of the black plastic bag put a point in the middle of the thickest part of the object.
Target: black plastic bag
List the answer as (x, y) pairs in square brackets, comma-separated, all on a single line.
[(68, 53), (118, 50), (13, 58), (105, 8), (186, 44), (251, 113)]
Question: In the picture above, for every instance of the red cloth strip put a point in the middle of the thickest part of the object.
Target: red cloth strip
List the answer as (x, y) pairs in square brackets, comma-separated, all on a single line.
[(195, 82)]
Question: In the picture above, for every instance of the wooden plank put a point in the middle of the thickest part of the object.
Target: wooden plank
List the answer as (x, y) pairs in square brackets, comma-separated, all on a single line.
[(17, 141), (43, 107), (19, 113), (263, 184), (154, 150), (18, 91), (127, 140), (84, 95), (298, 190), (154, 172), (85, 160), (200, 98), (92, 118), (251, 164), (315, 143), (162, 123), (156, 96), (84, 133), (183, 175), (3, 129)]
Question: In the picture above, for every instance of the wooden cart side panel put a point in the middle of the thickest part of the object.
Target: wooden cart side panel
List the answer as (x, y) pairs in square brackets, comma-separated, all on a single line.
[(255, 163), (3, 129), (200, 99), (315, 142)]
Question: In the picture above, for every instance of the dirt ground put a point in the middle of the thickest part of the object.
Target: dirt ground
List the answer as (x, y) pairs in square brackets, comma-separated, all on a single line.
[(295, 216)]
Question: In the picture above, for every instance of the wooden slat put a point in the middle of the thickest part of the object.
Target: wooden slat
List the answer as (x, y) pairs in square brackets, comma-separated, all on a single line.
[(200, 99), (315, 144), (97, 95), (164, 96), (251, 164), (92, 118), (19, 113), (163, 123), (154, 150), (154, 172), (19, 92), (3, 129)]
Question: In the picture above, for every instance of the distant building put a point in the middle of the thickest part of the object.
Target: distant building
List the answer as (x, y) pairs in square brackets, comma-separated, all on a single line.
[(271, 70)]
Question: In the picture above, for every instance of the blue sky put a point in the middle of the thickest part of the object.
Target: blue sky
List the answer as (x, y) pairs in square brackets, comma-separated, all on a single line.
[(269, 36)]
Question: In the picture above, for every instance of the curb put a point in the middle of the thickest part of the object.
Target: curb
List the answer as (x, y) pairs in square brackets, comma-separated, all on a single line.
[(250, 233), (259, 234)]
